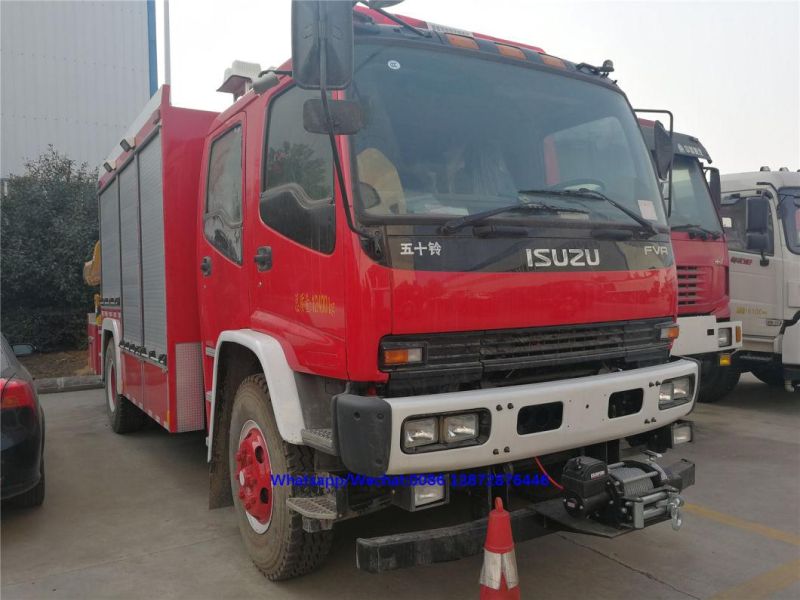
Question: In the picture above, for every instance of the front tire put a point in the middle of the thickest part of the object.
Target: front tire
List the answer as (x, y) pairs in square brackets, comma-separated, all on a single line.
[(771, 375), (273, 534), (719, 384), (123, 415)]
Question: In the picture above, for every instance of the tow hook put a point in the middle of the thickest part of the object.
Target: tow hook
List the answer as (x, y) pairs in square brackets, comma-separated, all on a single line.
[(673, 504)]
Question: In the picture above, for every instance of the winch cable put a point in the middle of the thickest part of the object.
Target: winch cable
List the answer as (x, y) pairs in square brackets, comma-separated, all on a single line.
[(557, 485)]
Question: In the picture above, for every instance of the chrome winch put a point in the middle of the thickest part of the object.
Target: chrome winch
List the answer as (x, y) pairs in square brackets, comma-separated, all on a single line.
[(627, 494)]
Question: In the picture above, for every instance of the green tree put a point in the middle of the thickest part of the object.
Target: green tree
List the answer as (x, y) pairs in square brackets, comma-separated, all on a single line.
[(48, 224)]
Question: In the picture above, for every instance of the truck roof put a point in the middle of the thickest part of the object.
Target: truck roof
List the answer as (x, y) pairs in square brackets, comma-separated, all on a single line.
[(682, 143), (744, 181), (368, 22)]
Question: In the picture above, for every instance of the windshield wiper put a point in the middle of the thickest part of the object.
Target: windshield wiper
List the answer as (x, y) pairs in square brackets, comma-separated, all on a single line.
[(595, 195), (454, 225), (697, 230)]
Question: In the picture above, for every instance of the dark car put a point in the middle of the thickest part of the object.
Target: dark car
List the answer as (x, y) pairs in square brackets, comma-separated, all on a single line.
[(22, 432)]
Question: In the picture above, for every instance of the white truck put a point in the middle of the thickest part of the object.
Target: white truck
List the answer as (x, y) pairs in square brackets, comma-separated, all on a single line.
[(761, 218)]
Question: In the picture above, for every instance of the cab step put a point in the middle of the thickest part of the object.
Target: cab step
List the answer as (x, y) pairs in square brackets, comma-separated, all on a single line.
[(319, 439), (322, 508)]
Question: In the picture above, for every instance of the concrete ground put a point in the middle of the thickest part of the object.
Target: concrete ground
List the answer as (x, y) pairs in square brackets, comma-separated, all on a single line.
[(126, 516)]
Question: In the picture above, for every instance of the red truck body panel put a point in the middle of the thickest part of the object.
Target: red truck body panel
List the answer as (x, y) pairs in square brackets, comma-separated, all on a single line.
[(170, 391), (702, 276)]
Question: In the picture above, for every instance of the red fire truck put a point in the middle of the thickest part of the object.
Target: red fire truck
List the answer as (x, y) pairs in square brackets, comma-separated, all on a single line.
[(701, 256), (415, 261)]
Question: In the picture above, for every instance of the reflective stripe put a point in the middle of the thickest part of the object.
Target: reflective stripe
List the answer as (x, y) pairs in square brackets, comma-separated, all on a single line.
[(496, 566)]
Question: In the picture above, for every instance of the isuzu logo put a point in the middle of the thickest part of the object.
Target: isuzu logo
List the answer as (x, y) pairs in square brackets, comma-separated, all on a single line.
[(573, 257)]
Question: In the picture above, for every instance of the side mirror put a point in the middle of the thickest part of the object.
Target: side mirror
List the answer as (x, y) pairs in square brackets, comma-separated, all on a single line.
[(758, 242), (23, 349), (662, 150), (715, 187), (322, 44), (346, 116), (757, 215)]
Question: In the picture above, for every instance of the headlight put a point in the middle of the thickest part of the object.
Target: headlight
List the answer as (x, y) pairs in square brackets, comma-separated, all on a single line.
[(724, 337), (420, 432), (675, 392), (456, 428)]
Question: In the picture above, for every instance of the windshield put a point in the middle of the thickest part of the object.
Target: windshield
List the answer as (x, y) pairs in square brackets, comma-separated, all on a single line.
[(790, 214), (691, 201), (449, 135)]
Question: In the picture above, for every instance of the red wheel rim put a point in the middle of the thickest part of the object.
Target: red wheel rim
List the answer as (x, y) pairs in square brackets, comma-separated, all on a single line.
[(253, 476)]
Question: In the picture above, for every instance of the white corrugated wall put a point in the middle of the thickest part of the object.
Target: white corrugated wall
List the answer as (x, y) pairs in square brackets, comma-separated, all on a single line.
[(74, 75)]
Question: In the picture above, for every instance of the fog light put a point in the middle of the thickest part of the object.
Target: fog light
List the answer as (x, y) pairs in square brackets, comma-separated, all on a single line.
[(457, 428), (682, 432), (724, 360), (724, 337), (675, 392), (427, 494), (420, 432)]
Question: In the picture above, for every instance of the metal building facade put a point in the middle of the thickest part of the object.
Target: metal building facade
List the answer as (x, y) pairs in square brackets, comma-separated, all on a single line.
[(74, 75)]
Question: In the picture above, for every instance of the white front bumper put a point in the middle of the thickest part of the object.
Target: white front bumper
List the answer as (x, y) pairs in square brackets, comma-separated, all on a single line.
[(585, 417), (699, 335)]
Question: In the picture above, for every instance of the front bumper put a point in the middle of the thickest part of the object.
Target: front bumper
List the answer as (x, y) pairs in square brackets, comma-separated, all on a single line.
[(699, 335), (367, 430)]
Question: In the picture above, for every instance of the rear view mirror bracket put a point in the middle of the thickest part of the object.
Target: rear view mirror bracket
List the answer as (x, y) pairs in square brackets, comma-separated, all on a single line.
[(663, 150)]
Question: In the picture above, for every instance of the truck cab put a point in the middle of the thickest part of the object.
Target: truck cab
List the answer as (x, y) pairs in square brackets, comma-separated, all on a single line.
[(761, 220), (701, 256)]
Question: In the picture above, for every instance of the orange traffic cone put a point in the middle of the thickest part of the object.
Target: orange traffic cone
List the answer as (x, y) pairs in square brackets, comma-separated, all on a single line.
[(499, 580)]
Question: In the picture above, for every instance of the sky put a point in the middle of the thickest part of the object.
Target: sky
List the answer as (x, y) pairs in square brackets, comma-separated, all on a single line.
[(729, 70)]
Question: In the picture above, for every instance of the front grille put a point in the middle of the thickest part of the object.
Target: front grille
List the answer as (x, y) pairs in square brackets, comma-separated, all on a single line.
[(692, 285), (495, 355)]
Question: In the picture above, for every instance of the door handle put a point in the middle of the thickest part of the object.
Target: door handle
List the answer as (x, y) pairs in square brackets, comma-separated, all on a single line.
[(205, 266), (263, 258)]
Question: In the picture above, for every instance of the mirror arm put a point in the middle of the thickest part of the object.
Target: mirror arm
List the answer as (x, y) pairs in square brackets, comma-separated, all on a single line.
[(373, 239)]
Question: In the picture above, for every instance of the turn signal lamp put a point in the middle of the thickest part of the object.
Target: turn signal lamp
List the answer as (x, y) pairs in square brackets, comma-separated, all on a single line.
[(738, 333), (402, 356), (670, 332)]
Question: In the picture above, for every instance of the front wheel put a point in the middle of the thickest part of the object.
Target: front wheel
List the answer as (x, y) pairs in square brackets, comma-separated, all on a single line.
[(273, 534), (123, 415), (718, 384), (771, 375)]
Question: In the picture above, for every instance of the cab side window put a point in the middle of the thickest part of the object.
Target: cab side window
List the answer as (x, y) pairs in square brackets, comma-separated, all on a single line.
[(733, 214), (223, 218), (297, 197)]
